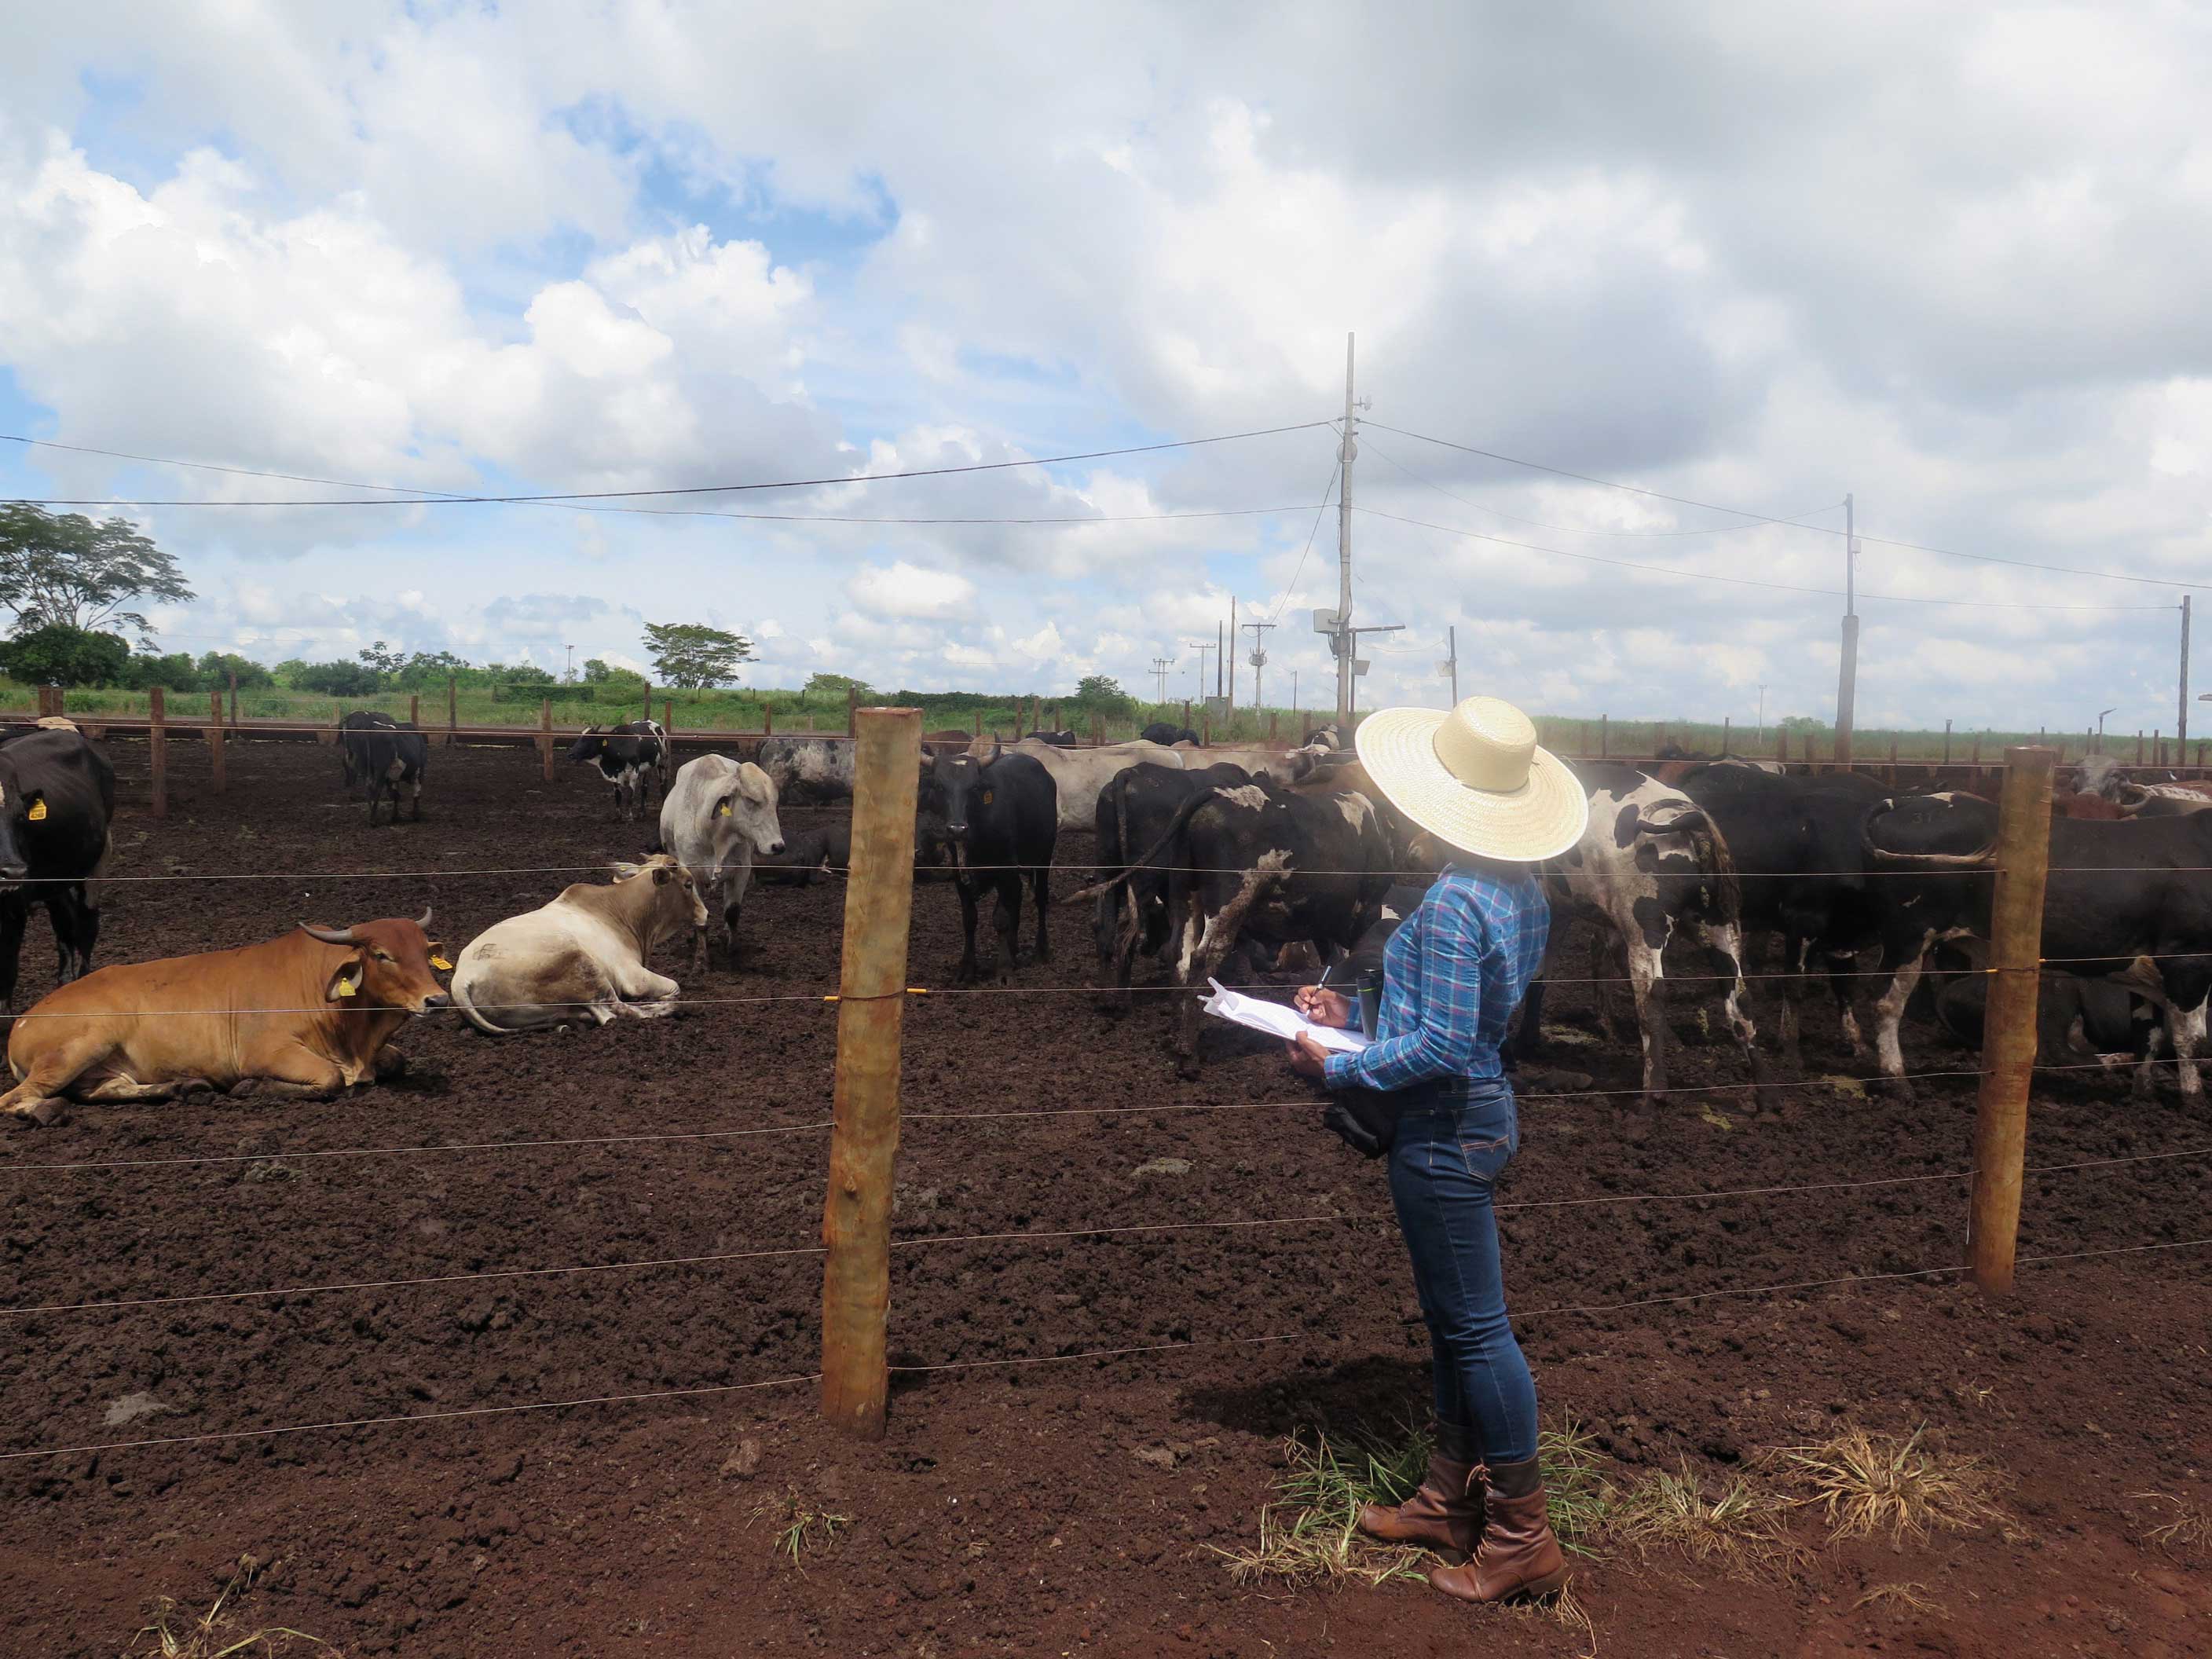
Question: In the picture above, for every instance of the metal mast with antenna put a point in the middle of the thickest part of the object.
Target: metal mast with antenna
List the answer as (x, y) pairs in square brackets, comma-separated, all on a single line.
[(1450, 664), (1160, 666), (1202, 646), (1346, 448), (1258, 659)]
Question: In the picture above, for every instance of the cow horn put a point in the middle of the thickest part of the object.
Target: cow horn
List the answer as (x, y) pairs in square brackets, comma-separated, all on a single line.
[(423, 920), (1882, 855), (329, 935)]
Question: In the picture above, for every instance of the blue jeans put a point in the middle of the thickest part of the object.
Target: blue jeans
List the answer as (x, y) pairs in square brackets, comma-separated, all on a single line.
[(1455, 1137)]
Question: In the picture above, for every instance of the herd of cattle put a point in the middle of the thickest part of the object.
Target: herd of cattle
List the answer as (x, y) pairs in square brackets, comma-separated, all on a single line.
[(1205, 858)]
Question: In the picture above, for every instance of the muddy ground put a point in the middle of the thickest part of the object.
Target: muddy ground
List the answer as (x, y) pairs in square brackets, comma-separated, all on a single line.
[(1069, 1506)]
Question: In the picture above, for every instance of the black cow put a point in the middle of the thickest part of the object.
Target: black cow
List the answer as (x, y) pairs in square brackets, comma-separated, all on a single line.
[(629, 756), (351, 762), (1167, 733), (1795, 843), (2128, 901), (1000, 818), (816, 855), (1274, 865), (56, 795), (387, 758), (1134, 811), (1057, 739)]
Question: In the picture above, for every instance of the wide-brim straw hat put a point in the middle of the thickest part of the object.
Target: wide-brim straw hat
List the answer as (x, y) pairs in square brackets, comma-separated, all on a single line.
[(1474, 777)]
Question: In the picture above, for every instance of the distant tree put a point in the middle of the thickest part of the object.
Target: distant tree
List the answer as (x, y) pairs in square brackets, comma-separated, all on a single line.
[(217, 667), (828, 687), (597, 669), (1801, 723), (288, 671), (59, 654), (692, 655), (338, 679), (430, 668), (174, 672), (1102, 694), (66, 568), (385, 662), (521, 673)]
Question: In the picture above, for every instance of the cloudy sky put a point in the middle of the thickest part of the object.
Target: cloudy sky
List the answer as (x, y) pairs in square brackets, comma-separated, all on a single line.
[(1949, 260)]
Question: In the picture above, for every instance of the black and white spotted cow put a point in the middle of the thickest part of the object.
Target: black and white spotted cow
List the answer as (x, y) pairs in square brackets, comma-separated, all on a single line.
[(1650, 868), (629, 756), (814, 769)]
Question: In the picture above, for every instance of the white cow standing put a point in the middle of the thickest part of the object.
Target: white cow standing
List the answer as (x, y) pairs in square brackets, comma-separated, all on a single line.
[(719, 814), (583, 954)]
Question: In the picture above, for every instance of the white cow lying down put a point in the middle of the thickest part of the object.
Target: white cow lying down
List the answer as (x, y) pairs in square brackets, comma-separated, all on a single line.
[(583, 954)]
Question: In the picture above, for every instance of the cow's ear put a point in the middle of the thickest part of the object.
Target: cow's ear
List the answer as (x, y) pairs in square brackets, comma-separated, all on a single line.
[(346, 981), (624, 871), (723, 807), (660, 874)]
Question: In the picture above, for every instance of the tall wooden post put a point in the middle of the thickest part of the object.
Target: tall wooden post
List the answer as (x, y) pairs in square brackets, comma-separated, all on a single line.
[(645, 709), (215, 741), (1186, 714), (545, 736), (1724, 733), (1205, 730), (856, 1216), (452, 703), (768, 719), (2139, 745), (157, 749), (1033, 716), (414, 709), (1947, 743), (1270, 725), (2023, 863)]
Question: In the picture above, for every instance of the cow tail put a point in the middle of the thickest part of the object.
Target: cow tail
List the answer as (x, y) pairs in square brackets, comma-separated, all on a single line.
[(461, 1000), (1713, 855), (1130, 866)]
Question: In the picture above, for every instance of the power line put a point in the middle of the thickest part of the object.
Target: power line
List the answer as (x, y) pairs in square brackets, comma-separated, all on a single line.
[(1306, 551), (1742, 581), (559, 496), (1765, 518)]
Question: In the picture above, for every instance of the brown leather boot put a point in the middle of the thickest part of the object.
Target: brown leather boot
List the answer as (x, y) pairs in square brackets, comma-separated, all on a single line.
[(1445, 1513), (1517, 1556)]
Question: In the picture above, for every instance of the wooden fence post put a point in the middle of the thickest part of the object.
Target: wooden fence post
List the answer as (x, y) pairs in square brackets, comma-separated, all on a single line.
[(452, 704), (414, 709), (157, 749), (979, 721), (1947, 743), (215, 740), (1893, 756), (645, 710), (545, 736), (1978, 749), (1205, 730), (768, 719), (2157, 747), (2139, 745), (856, 1215), (1098, 731), (2023, 863), (1270, 725), (1724, 735), (1186, 714)]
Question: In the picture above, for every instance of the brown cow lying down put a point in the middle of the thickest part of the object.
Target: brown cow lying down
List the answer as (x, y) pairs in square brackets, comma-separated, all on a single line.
[(309, 1013), (583, 954)]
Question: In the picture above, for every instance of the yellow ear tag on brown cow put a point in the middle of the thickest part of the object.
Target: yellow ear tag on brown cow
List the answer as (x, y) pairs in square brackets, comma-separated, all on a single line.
[(345, 987), (442, 965), (38, 810), (987, 798)]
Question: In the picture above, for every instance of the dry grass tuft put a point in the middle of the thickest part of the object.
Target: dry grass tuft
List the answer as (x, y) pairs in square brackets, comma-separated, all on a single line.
[(1737, 1524), (1581, 1499), (177, 1633), (1907, 1597), (1866, 1484), (800, 1531), (2191, 1529), (1321, 1494)]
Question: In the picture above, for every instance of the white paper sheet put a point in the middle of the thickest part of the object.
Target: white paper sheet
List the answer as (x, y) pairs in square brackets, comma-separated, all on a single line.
[(1278, 1018)]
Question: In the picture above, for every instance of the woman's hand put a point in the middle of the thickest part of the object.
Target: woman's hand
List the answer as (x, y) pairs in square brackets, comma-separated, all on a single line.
[(1308, 1058), (1322, 1006)]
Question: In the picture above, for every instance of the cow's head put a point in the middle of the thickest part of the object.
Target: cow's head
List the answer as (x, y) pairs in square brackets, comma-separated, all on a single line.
[(671, 896), (746, 811), (20, 809), (590, 745), (393, 965), (1952, 831), (954, 789)]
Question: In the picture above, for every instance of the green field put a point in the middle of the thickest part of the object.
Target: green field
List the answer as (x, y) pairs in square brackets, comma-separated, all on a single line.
[(578, 705)]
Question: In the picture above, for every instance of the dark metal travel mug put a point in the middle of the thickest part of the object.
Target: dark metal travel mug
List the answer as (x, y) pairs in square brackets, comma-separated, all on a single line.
[(1370, 1000)]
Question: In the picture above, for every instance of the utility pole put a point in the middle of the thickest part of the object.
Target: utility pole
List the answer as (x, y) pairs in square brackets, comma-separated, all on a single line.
[(1847, 672), (2181, 728), (1217, 660), (1232, 654), (1160, 666), (1202, 646), (1450, 664), (1258, 659), (1346, 449), (572, 662), (1762, 709)]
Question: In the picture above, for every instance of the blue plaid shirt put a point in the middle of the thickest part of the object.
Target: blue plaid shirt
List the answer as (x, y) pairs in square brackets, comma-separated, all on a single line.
[(1452, 975)]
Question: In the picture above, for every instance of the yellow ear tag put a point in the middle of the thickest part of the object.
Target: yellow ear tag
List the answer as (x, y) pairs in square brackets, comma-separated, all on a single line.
[(38, 810), (987, 798), (442, 965), (345, 988), (723, 811)]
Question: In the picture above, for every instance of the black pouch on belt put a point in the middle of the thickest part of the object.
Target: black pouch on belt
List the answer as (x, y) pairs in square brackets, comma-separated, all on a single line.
[(1365, 1118)]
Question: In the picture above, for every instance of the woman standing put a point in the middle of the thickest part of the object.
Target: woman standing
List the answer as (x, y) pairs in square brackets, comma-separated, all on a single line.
[(1453, 974)]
